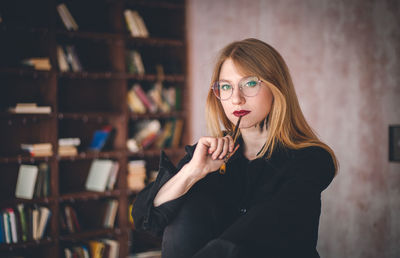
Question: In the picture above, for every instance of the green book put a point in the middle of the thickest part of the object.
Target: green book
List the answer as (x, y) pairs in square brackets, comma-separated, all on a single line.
[(24, 225)]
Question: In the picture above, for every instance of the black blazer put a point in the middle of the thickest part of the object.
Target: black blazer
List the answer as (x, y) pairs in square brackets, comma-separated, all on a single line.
[(260, 208)]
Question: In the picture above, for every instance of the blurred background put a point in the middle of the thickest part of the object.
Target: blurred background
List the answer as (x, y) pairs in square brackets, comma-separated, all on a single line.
[(344, 60)]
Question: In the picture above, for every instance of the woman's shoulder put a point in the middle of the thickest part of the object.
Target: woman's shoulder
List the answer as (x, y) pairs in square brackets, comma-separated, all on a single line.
[(313, 161)]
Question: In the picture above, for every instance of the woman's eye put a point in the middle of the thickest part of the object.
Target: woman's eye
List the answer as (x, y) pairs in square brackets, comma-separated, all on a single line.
[(251, 84), (225, 87)]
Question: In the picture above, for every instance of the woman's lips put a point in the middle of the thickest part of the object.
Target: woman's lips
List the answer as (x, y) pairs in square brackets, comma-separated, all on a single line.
[(241, 113)]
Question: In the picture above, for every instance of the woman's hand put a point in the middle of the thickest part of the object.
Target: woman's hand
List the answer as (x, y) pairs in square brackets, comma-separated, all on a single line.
[(210, 153), (208, 156)]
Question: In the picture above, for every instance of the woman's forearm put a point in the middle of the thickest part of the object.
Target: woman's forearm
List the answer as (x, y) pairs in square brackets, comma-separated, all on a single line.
[(178, 185)]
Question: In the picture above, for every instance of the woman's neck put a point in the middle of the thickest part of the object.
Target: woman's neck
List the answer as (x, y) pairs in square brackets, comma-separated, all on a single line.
[(253, 140)]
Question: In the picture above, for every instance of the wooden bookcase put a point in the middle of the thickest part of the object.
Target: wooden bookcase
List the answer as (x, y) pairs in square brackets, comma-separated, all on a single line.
[(82, 102)]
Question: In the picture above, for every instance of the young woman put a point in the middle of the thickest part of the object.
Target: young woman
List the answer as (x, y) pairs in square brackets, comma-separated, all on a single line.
[(268, 202)]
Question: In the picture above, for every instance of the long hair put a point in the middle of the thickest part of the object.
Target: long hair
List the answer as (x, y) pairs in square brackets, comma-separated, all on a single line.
[(285, 122)]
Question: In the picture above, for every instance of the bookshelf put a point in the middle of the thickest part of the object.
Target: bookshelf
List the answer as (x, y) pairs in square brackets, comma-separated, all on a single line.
[(81, 102)]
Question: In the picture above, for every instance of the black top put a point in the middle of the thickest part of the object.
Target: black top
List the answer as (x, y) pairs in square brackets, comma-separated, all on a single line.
[(270, 207)]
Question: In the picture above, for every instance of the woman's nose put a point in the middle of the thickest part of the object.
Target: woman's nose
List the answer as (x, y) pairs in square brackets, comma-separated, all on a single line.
[(237, 96)]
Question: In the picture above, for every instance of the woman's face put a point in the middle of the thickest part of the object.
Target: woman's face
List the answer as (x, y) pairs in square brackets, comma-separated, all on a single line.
[(257, 107)]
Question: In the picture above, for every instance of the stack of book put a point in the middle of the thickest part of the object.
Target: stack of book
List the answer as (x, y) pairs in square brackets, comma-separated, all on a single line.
[(38, 63), (66, 17), (69, 220), (102, 175), (157, 99), (38, 149), (136, 175), (149, 133), (68, 59), (134, 62), (100, 248), (110, 213), (135, 24), (29, 108), (68, 146), (23, 224)]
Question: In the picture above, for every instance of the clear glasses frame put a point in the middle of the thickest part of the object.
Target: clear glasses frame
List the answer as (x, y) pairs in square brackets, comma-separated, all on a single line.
[(223, 89)]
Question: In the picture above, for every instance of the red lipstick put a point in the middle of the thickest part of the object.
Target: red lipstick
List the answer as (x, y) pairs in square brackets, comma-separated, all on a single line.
[(241, 113)]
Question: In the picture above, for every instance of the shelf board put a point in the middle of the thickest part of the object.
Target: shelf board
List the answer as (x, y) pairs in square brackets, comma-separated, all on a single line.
[(153, 77), (92, 75), (24, 159), (86, 116), (158, 115), (15, 201), (88, 195), (93, 155), (119, 76), (25, 117), (107, 36), (26, 72), (155, 42), (23, 29), (155, 4), (74, 237), (28, 244), (110, 37), (155, 152)]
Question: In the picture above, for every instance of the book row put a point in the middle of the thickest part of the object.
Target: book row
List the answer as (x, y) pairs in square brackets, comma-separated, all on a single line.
[(23, 224), (98, 248), (156, 99), (152, 134), (70, 221), (134, 21)]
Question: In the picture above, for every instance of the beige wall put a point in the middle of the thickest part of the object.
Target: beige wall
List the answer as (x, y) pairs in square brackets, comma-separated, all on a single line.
[(344, 59)]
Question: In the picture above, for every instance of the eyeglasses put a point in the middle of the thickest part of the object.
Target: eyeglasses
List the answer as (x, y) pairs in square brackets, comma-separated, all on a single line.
[(249, 86)]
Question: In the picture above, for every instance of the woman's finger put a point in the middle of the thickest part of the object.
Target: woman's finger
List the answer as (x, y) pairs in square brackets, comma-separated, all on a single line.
[(218, 150), (225, 148)]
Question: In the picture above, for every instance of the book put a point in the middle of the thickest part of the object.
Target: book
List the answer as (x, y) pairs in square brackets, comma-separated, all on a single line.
[(73, 59), (38, 63), (66, 17), (29, 108), (110, 213), (44, 216), (136, 175), (35, 221), (114, 247), (69, 142), (26, 181), (71, 219), (22, 218), (7, 227), (99, 173), (38, 150), (102, 139), (13, 224), (143, 131), (150, 105), (138, 19), (96, 248), (113, 176), (177, 133), (62, 59), (133, 27), (67, 151), (134, 103)]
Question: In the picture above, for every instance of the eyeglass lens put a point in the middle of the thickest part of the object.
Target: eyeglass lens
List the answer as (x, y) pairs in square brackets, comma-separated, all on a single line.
[(249, 87)]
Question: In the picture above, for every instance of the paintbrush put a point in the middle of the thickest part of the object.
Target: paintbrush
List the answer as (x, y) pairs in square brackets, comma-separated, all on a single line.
[(222, 168)]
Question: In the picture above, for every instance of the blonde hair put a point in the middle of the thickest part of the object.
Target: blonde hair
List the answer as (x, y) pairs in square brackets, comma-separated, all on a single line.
[(286, 123)]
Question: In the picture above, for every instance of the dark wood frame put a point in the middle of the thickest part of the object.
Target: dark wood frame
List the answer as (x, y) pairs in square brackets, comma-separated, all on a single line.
[(46, 128)]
